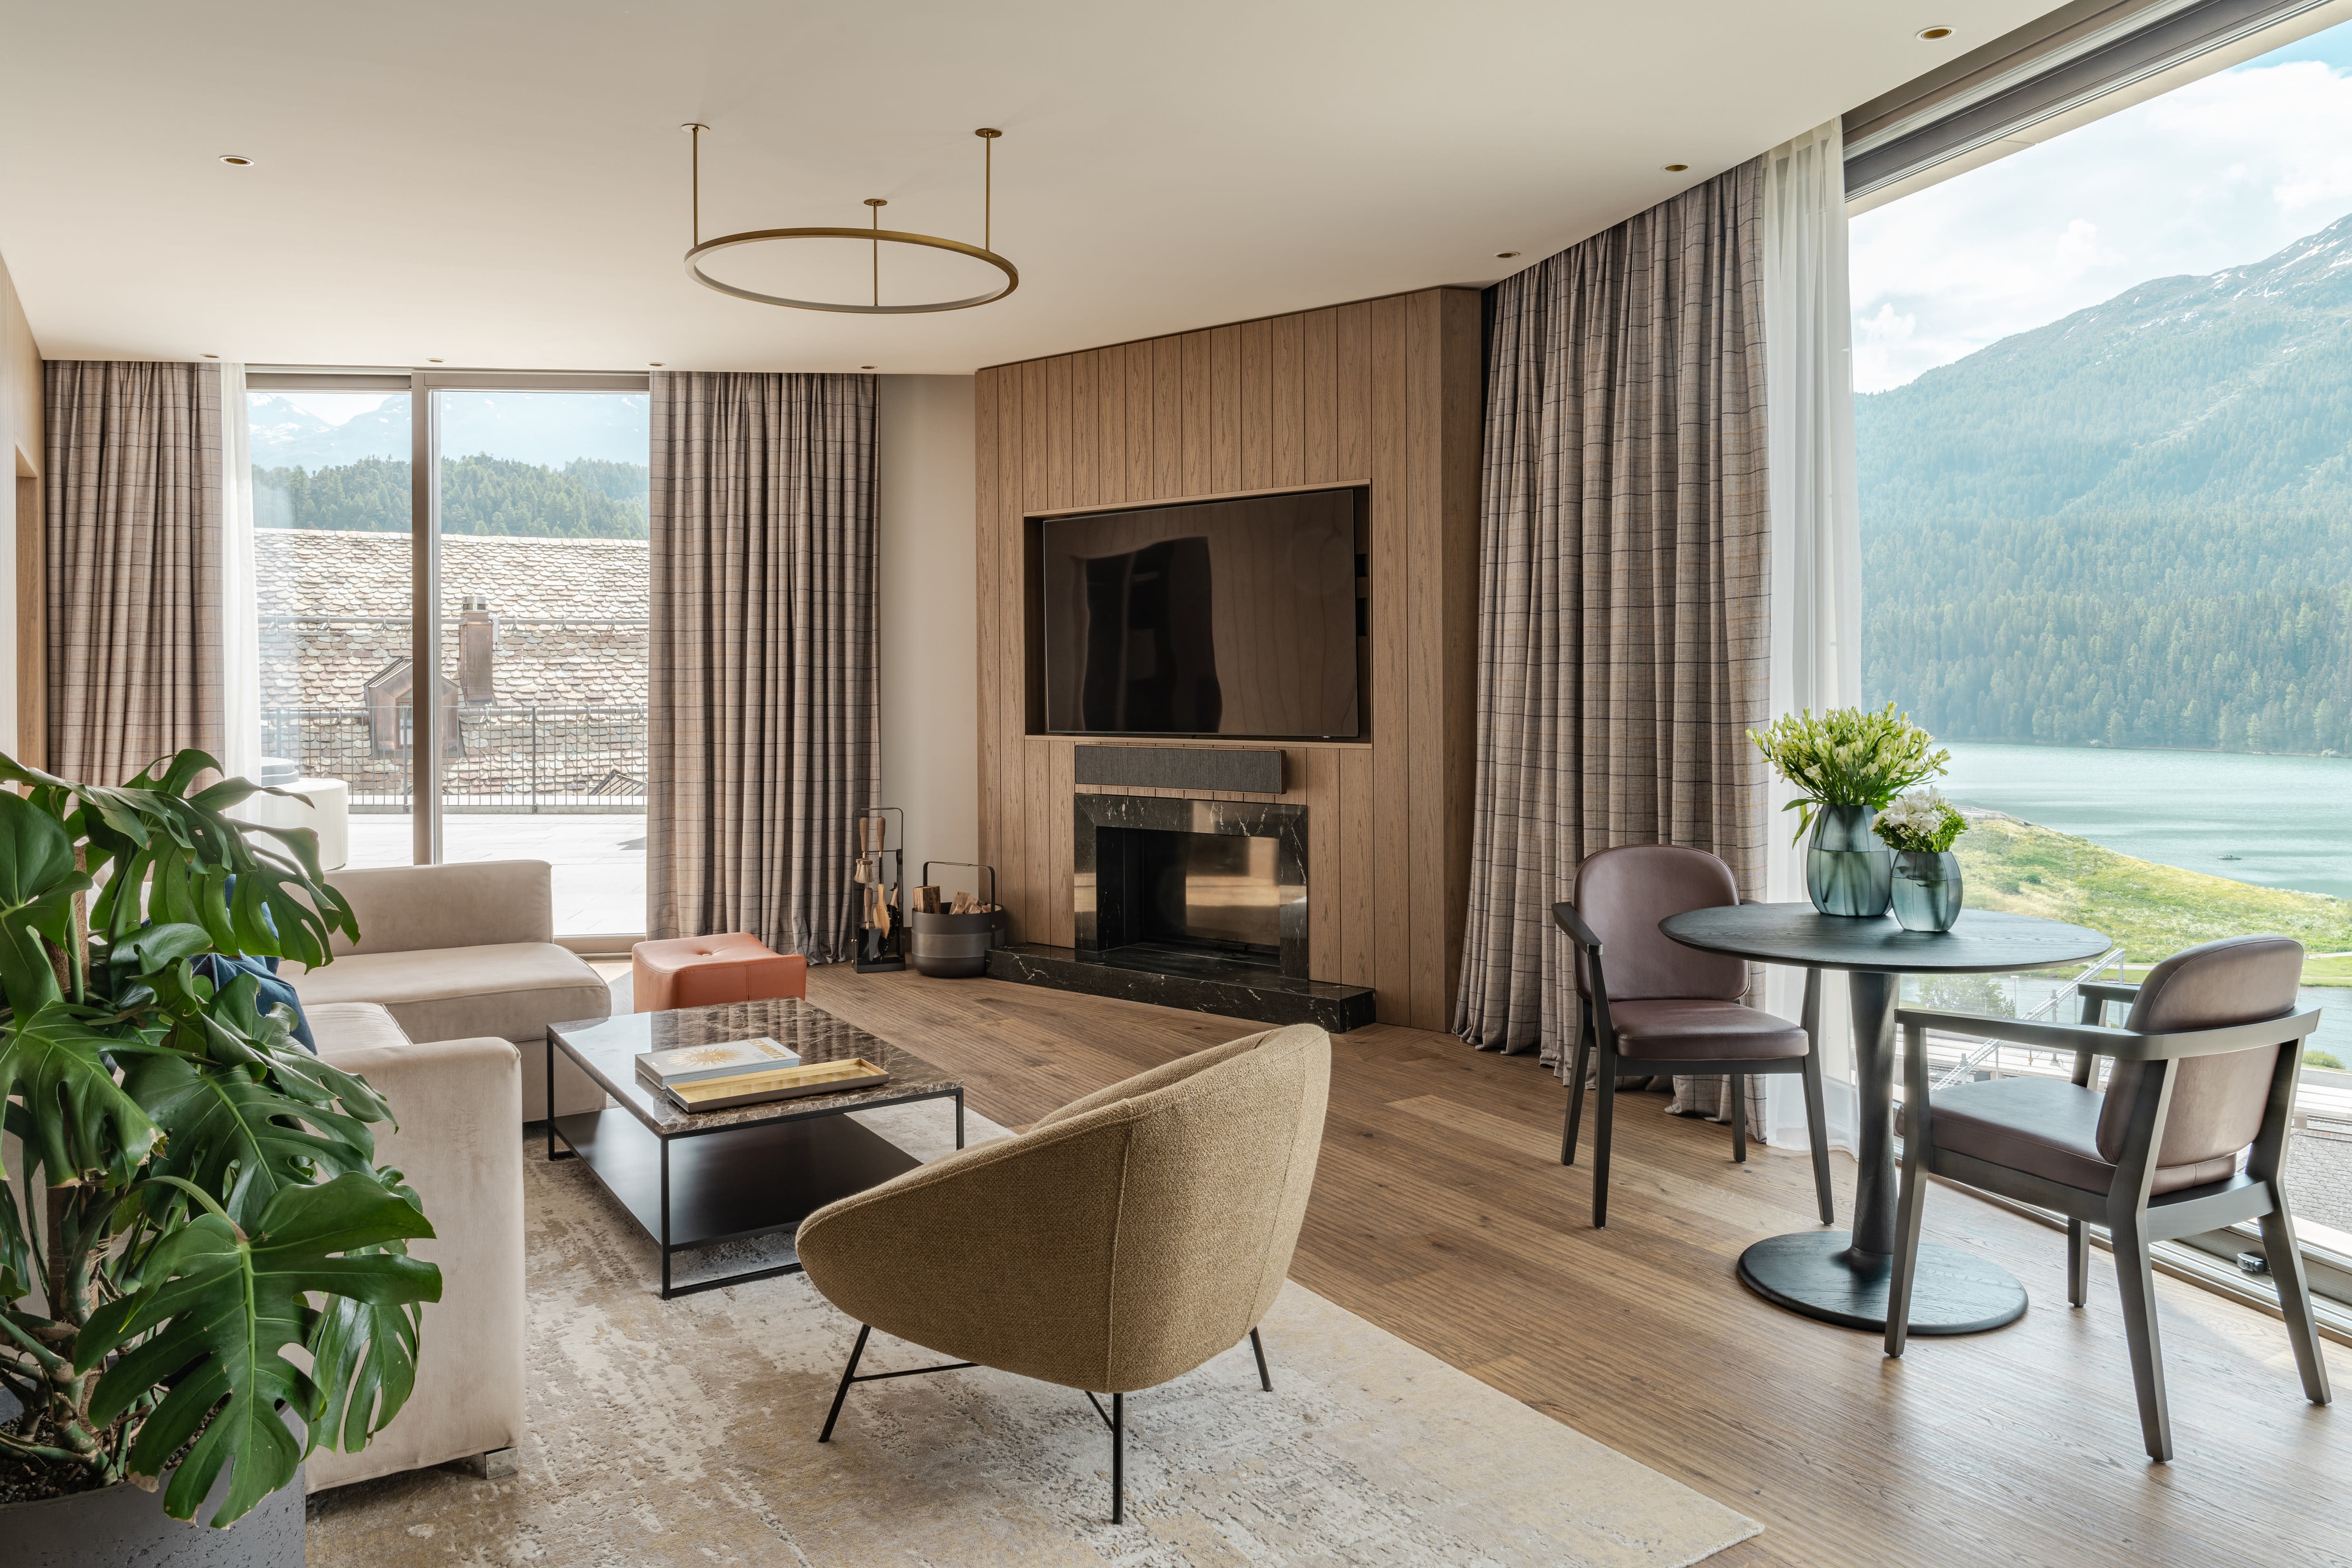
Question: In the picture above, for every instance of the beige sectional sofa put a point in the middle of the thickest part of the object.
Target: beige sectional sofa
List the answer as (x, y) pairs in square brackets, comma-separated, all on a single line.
[(463, 951), (456, 1103)]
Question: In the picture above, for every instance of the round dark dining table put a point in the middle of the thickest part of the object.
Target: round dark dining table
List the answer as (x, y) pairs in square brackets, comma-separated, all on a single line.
[(1841, 1276)]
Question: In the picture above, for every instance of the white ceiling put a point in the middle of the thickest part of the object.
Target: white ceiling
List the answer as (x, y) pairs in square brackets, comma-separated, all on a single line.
[(502, 183)]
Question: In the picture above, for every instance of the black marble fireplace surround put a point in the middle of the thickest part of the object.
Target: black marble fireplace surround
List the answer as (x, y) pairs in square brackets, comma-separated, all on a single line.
[(1199, 904)]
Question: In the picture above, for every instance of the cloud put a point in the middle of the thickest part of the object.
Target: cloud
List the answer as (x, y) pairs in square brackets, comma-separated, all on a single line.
[(2223, 172)]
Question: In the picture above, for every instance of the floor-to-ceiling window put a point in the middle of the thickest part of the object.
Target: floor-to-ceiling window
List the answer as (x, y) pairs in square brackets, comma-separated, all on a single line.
[(540, 555), (2105, 421)]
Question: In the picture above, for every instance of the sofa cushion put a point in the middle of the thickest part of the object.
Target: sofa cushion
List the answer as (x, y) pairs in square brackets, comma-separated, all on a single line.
[(514, 990), (343, 1026)]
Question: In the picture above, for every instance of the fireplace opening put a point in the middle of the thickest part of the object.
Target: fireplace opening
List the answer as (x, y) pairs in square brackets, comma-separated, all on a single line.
[(1192, 886)]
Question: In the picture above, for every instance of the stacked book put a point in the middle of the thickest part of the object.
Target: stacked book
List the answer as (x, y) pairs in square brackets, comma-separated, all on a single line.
[(746, 1072)]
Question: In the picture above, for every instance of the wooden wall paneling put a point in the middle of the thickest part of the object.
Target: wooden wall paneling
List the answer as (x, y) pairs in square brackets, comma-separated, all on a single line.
[(1358, 949), (1061, 925), (1257, 406), (1111, 422), (1139, 385), (1013, 444), (1058, 431), (1168, 417), (1199, 438), (1424, 604), (1319, 376), (1086, 418), (1351, 442), (1226, 409), (1289, 396), (1464, 420), (1036, 421), (1316, 777), (987, 526), (1392, 735)]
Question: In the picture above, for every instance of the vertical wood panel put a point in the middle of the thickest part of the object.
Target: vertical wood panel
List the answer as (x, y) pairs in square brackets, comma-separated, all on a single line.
[(1014, 423), (1061, 917), (1168, 417), (1319, 774), (1110, 424), (1288, 395), (1085, 488), (1036, 421), (1226, 409), (1359, 953), (1462, 421), (1058, 431), (1199, 440), (1392, 752), (1351, 327), (1319, 390), (1139, 392), (987, 523), (1424, 478), (1257, 406)]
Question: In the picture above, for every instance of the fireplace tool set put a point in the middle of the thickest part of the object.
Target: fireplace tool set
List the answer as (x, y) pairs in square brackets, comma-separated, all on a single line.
[(880, 867), (948, 939)]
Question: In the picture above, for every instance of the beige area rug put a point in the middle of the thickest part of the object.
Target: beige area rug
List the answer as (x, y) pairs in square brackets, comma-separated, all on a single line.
[(684, 1432)]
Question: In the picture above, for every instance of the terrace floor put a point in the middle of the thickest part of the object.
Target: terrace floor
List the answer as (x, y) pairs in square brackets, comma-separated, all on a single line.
[(599, 858)]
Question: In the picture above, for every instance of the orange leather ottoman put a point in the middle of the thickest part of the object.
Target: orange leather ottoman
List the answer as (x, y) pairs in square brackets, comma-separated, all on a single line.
[(704, 971)]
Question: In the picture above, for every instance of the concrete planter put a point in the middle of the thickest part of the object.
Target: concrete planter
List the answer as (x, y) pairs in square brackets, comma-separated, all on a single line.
[(123, 1527)]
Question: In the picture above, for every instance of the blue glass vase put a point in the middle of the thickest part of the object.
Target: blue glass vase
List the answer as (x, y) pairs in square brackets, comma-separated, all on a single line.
[(1847, 871), (1927, 889)]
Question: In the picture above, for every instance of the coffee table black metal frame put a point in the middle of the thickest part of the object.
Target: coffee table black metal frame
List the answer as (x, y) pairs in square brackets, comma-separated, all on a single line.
[(695, 1195), (1842, 1276)]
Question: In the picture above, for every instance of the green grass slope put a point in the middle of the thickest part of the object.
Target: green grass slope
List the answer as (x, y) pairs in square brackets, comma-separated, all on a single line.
[(2152, 910)]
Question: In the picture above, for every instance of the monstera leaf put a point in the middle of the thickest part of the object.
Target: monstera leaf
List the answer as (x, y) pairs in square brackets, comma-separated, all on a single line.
[(364, 1357), (75, 1117), (218, 1310), (37, 883)]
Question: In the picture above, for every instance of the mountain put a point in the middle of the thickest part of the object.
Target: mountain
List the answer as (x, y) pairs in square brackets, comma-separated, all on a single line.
[(2130, 527), (588, 498), (545, 428)]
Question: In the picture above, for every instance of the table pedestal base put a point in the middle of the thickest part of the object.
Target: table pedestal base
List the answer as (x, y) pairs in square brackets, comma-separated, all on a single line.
[(1817, 1273)]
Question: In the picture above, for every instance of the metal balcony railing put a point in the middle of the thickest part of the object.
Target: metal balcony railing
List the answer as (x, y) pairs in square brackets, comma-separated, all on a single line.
[(495, 759)]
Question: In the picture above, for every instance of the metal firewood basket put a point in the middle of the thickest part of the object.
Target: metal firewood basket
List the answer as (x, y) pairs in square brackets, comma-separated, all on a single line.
[(955, 947)]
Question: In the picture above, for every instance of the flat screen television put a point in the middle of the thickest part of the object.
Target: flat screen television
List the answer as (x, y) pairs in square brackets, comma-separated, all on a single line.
[(1230, 617)]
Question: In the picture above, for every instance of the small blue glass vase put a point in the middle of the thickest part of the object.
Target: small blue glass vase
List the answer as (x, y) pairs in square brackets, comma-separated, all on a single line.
[(1847, 868), (1927, 889)]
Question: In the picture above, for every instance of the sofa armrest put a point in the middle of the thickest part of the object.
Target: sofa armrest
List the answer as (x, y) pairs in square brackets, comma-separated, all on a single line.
[(458, 1103), (405, 909)]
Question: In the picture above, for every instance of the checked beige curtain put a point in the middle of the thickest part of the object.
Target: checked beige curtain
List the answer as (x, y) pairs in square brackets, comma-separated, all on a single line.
[(763, 715), (1623, 626), (135, 530)]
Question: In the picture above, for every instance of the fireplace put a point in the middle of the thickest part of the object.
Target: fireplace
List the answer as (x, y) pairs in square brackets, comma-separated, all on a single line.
[(1190, 903), (1188, 886)]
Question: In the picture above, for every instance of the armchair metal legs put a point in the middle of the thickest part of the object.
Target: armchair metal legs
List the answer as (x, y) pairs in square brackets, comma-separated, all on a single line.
[(1115, 1418)]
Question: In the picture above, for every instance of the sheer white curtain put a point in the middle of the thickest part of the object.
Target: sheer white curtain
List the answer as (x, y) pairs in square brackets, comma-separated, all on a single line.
[(1816, 659), (240, 628)]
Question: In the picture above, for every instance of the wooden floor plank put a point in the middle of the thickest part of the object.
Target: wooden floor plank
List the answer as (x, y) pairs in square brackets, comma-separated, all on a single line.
[(1441, 1213)]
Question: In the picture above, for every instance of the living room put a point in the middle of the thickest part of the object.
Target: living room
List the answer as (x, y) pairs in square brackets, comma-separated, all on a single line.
[(1336, 784)]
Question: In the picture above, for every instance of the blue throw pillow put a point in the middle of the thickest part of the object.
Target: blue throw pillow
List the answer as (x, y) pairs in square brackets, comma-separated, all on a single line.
[(220, 970)]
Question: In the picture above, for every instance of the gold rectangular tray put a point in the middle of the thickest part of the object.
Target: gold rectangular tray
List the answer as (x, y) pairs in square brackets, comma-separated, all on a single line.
[(783, 1083)]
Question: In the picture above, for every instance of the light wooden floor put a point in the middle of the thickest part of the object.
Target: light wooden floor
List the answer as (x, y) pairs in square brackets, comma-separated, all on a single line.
[(1441, 1213)]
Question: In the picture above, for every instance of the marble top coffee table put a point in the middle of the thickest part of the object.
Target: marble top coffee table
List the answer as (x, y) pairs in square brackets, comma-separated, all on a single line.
[(693, 1179)]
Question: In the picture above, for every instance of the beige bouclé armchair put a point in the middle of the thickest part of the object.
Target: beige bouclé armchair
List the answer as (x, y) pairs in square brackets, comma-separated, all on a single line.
[(1121, 1242)]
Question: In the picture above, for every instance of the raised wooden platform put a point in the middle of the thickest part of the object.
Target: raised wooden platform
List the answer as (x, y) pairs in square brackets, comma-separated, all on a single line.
[(1440, 1211)]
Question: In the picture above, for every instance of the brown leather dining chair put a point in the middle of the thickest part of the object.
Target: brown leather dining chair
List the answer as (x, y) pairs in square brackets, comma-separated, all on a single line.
[(2205, 1071), (1653, 1006)]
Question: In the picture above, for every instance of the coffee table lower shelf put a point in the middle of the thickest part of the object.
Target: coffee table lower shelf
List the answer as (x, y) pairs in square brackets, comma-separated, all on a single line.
[(733, 1184)]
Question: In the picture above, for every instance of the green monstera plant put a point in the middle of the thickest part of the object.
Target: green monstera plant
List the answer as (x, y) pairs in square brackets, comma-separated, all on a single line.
[(196, 1195)]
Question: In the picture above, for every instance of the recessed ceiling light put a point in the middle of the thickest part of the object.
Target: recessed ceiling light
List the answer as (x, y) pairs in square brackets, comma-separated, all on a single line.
[(1932, 35), (433, 362), (1676, 168), (655, 362), (212, 356), (1504, 255), (866, 367), (234, 162)]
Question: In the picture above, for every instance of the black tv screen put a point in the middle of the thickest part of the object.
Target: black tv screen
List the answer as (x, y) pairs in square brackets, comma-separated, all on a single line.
[(1233, 618)]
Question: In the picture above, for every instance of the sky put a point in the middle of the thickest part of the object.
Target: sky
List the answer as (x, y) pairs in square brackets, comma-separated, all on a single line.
[(2223, 172)]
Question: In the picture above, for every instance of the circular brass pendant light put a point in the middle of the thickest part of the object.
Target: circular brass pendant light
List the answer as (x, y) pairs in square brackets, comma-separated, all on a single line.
[(874, 234)]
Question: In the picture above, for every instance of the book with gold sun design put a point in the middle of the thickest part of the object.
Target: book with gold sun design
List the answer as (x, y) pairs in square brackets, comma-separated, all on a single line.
[(698, 1064)]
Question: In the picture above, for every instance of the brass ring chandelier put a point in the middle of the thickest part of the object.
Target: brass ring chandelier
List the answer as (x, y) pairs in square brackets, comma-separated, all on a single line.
[(874, 235)]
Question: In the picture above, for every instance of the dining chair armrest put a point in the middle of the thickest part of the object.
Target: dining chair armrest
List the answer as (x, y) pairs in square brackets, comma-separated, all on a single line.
[(1573, 924), (2124, 1045), (2110, 990)]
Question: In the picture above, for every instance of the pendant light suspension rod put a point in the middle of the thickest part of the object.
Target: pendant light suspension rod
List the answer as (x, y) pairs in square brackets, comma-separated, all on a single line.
[(876, 204), (988, 135), (695, 130)]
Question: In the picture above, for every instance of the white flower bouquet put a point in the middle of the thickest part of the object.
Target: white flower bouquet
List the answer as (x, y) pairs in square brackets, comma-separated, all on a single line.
[(1921, 823), (1848, 757)]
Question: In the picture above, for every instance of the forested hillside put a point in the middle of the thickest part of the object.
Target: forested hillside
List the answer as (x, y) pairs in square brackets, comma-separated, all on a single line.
[(586, 499), (2133, 526)]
